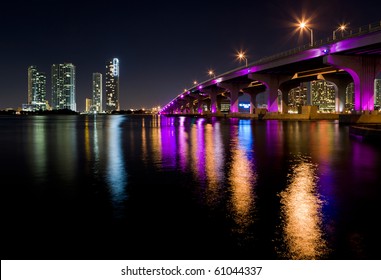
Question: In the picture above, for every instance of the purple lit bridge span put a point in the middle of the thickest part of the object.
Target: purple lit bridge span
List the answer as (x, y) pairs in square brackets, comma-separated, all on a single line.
[(354, 57)]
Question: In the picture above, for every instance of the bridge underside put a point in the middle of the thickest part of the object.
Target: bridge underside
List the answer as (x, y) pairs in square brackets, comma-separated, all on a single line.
[(354, 62)]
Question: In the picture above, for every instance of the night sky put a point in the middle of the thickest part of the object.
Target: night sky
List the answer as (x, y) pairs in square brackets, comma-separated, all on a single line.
[(163, 46)]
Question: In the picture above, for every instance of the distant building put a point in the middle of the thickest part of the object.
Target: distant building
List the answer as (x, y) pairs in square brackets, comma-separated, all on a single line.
[(323, 96), (97, 93), (89, 104), (297, 97), (112, 85), (63, 87), (36, 90), (350, 97), (244, 106)]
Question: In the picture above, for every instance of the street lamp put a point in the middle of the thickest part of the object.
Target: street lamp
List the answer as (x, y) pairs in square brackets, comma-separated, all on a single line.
[(340, 28), (241, 56), (303, 25), (211, 73)]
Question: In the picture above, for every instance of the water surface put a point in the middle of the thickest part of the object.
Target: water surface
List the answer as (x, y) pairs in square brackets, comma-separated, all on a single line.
[(151, 187)]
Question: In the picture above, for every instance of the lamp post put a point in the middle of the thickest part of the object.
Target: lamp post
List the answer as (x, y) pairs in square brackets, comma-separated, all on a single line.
[(340, 28), (303, 25), (241, 56), (211, 73)]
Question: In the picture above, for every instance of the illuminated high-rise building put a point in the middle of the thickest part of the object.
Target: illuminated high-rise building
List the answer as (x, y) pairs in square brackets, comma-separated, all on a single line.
[(63, 87), (97, 93), (36, 89), (350, 97), (89, 105), (112, 85), (297, 97), (323, 95)]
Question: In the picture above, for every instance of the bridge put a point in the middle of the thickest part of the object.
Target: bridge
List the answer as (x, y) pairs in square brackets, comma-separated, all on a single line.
[(354, 57)]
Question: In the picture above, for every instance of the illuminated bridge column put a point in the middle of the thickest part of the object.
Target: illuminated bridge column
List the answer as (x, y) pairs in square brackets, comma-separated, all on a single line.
[(272, 83), (363, 70), (200, 101), (189, 104), (191, 107), (253, 92), (181, 107), (213, 92), (234, 89), (178, 108)]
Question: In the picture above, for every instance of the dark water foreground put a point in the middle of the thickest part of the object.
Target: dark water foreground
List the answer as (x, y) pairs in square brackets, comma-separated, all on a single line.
[(134, 187)]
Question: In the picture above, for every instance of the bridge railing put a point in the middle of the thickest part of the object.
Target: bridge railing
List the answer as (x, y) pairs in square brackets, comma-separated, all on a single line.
[(365, 29)]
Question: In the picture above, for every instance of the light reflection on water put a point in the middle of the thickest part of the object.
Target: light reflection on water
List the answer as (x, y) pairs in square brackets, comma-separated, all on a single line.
[(242, 176), (116, 170), (197, 156), (38, 150), (214, 163), (287, 190), (301, 210)]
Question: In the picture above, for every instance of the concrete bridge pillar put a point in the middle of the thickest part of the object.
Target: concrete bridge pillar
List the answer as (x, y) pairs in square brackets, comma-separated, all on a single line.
[(180, 108), (200, 101), (189, 104), (192, 100), (215, 104), (285, 89), (253, 92), (191, 107), (234, 89), (253, 102), (363, 70), (272, 83)]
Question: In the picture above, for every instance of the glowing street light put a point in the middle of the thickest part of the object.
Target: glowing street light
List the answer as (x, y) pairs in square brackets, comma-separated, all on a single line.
[(211, 73), (340, 28), (303, 25), (195, 82), (241, 56)]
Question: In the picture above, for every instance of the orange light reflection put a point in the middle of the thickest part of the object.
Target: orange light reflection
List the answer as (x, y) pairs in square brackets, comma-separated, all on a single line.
[(301, 210)]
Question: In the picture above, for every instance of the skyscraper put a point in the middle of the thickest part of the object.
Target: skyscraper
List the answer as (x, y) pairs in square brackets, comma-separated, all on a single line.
[(323, 95), (97, 93), (112, 85), (36, 89), (89, 105), (63, 86), (350, 97)]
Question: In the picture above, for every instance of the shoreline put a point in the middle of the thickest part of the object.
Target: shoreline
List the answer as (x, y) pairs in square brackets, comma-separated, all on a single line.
[(342, 118)]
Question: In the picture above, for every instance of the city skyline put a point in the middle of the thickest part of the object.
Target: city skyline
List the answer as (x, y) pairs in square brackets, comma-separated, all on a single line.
[(162, 47)]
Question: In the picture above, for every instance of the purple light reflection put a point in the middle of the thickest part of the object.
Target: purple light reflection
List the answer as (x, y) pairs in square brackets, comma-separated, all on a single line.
[(183, 144), (168, 143)]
